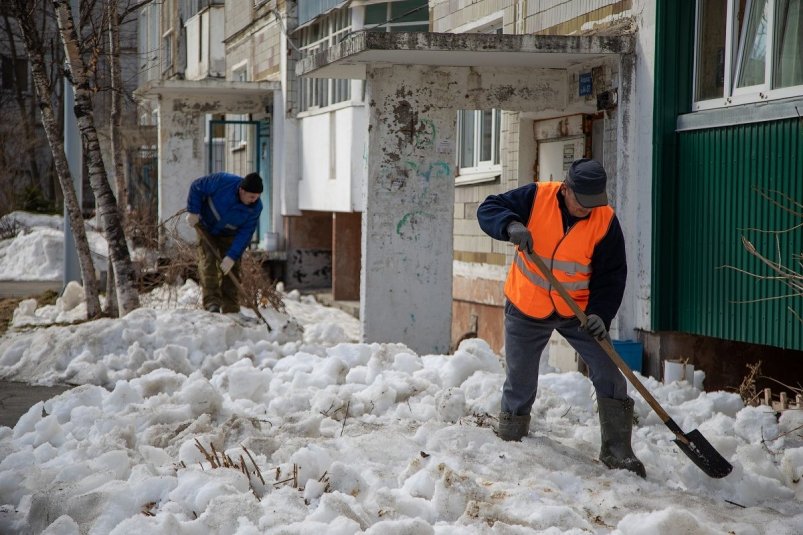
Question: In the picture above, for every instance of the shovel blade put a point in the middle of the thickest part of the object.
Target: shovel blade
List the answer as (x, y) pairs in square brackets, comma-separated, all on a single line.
[(703, 454)]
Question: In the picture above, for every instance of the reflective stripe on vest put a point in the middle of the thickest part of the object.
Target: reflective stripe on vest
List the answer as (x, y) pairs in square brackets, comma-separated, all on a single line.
[(568, 255), (535, 277)]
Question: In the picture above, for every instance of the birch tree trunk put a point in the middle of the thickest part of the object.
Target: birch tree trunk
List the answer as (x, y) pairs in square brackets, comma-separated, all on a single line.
[(127, 296), (35, 50), (116, 116), (114, 134)]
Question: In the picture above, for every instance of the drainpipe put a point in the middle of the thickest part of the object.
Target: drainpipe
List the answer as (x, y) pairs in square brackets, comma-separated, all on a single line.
[(72, 148)]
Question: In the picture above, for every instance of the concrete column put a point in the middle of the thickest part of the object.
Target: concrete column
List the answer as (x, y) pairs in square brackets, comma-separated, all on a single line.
[(632, 202), (182, 157), (406, 278)]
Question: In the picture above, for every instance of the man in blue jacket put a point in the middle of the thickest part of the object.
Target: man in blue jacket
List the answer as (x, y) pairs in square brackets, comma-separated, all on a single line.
[(225, 209)]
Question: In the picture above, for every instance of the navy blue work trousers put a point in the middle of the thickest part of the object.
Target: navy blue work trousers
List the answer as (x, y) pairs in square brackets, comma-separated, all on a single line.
[(526, 338)]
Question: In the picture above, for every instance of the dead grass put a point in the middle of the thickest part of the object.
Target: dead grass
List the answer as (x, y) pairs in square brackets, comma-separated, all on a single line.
[(10, 227), (217, 459), (256, 288), (9, 304), (747, 389), (7, 307)]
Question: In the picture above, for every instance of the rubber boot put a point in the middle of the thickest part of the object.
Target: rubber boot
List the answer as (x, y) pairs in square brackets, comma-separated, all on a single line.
[(513, 427), (616, 426)]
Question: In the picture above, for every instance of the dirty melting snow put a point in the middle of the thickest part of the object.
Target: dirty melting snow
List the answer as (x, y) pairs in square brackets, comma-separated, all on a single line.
[(348, 437)]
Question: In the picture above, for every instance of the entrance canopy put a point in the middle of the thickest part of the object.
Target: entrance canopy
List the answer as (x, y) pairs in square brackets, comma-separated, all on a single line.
[(214, 96), (350, 57), (414, 85), (182, 107)]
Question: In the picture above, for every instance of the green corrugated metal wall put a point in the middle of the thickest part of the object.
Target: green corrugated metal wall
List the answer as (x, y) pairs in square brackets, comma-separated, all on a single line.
[(703, 185), (674, 45), (720, 171)]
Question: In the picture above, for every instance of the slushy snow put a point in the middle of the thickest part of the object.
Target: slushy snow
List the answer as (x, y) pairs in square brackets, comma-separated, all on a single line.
[(323, 434)]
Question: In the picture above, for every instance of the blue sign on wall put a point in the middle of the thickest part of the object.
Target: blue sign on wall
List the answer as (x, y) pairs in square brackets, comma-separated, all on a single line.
[(585, 84)]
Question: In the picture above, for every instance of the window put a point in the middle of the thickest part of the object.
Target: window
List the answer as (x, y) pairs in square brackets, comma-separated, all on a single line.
[(478, 144), (747, 51), (238, 132), (787, 54), (189, 8), (15, 74), (478, 136), (329, 30), (403, 16), (167, 50), (149, 42)]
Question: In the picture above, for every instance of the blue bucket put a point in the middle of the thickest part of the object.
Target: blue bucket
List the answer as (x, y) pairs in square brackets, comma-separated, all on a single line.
[(631, 352)]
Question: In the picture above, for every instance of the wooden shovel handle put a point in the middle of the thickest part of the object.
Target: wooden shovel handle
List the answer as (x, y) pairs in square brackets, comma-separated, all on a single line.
[(231, 275), (605, 344)]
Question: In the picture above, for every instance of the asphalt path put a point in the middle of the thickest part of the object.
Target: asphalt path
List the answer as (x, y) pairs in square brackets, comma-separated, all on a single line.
[(28, 288), (17, 398)]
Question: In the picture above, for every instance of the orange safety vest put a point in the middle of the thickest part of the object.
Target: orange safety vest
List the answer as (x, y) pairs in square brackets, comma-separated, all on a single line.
[(568, 255)]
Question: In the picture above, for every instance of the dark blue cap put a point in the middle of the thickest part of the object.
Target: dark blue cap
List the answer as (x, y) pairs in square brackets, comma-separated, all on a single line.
[(587, 179)]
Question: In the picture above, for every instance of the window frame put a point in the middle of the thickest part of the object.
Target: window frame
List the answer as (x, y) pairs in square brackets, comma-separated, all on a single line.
[(388, 27), (239, 132), (167, 50), (734, 52), (15, 74), (316, 94), (481, 170)]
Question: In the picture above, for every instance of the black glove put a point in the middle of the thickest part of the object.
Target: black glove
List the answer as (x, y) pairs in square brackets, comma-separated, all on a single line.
[(520, 236), (596, 327)]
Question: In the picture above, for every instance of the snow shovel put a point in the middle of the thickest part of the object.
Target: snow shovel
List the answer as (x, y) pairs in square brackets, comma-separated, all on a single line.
[(693, 443), (253, 306)]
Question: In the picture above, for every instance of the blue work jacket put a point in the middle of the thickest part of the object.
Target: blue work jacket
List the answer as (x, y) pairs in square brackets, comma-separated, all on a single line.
[(216, 199)]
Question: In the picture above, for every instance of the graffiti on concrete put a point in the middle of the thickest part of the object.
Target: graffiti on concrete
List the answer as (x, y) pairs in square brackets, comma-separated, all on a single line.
[(426, 134), (409, 226)]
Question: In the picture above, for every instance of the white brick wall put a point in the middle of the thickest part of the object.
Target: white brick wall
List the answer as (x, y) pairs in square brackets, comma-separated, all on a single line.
[(538, 16)]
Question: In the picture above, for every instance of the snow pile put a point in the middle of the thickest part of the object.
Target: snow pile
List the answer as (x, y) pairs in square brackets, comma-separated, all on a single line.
[(187, 422), (37, 253), (353, 438)]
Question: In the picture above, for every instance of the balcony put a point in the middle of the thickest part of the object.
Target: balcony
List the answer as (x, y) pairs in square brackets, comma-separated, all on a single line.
[(206, 54)]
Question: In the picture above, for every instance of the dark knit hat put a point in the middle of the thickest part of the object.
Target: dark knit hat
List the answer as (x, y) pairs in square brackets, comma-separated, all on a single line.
[(252, 183), (587, 179)]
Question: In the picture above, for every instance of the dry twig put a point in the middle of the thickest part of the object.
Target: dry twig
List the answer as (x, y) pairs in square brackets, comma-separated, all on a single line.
[(747, 388), (778, 269)]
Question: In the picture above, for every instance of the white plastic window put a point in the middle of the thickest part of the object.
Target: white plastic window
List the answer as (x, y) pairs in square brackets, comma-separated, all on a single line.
[(747, 51), (478, 135), (238, 133), (323, 33)]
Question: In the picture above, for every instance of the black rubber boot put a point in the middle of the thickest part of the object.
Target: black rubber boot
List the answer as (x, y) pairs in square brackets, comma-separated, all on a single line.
[(513, 427), (616, 426)]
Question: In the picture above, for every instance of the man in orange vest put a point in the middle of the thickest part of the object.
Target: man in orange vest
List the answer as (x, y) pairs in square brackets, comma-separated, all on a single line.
[(574, 231)]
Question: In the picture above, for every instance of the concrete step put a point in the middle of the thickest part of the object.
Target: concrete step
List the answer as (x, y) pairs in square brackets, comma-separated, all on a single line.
[(350, 307)]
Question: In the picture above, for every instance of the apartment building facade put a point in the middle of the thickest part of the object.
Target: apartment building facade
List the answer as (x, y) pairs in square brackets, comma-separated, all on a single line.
[(604, 79)]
